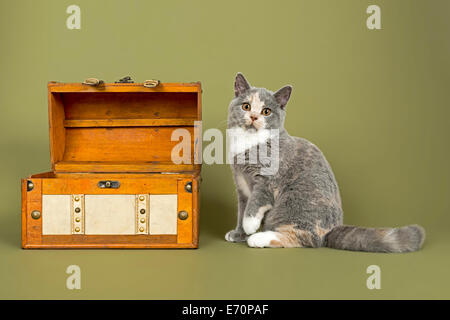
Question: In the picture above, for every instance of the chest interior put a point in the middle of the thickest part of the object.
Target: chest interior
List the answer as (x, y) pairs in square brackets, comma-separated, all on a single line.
[(94, 131)]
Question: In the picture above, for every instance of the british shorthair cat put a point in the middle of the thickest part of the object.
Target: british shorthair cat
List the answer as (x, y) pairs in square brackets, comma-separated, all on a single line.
[(299, 205)]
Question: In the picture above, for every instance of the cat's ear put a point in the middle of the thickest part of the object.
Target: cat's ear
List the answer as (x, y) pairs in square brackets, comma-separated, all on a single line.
[(240, 84), (282, 96)]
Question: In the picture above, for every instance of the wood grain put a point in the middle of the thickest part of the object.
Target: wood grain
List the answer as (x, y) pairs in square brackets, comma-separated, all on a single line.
[(108, 240), (122, 144), (93, 105)]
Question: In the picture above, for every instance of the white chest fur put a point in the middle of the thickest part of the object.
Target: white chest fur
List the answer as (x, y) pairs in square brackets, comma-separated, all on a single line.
[(241, 140)]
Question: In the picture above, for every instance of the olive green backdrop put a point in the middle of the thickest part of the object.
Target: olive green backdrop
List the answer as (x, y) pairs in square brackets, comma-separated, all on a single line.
[(375, 101)]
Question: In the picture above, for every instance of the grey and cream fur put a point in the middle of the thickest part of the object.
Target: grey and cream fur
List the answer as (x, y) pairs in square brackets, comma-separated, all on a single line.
[(299, 205)]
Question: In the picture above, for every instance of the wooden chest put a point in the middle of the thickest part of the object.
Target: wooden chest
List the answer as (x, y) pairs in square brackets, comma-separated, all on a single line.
[(113, 183)]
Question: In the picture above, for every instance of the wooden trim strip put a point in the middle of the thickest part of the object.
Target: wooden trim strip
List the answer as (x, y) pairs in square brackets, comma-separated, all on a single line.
[(127, 186), (34, 202), (184, 227), (110, 176), (123, 167), (107, 241), (24, 212), (195, 210), (87, 123), (57, 131), (124, 87), (113, 246)]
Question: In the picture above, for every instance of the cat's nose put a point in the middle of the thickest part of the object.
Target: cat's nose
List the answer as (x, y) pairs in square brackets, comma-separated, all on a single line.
[(254, 118)]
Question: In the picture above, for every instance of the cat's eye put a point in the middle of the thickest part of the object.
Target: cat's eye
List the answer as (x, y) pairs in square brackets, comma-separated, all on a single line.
[(246, 107), (266, 111)]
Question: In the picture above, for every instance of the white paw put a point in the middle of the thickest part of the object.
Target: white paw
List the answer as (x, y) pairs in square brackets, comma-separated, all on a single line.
[(261, 239), (251, 224), (228, 236)]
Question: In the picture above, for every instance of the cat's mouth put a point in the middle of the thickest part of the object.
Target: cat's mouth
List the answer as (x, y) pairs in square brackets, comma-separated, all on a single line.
[(253, 126)]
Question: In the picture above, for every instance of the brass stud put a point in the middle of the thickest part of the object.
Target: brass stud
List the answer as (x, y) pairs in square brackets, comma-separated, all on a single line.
[(77, 229), (142, 198), (77, 219), (183, 215), (35, 214), (142, 211), (141, 229), (77, 199), (30, 186), (188, 187), (77, 210), (142, 220)]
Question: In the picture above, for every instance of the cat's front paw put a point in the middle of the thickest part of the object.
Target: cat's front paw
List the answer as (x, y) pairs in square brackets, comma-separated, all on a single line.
[(251, 224), (235, 236)]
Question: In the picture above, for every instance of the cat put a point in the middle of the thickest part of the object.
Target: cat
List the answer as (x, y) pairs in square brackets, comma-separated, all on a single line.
[(300, 204)]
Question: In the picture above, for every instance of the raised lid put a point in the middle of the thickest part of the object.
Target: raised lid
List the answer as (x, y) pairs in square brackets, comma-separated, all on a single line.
[(121, 127)]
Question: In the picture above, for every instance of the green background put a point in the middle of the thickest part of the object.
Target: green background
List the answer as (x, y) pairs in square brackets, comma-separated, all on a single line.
[(375, 101)]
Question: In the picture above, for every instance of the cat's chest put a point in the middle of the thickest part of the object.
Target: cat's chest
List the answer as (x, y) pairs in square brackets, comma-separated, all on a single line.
[(244, 141)]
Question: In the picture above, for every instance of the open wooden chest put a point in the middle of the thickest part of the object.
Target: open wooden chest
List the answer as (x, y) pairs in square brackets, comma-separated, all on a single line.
[(113, 183)]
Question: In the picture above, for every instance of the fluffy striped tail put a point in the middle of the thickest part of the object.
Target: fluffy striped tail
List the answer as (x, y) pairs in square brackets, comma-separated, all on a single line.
[(403, 239)]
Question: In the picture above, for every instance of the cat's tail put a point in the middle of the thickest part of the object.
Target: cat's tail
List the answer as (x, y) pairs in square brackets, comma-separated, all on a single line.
[(403, 239)]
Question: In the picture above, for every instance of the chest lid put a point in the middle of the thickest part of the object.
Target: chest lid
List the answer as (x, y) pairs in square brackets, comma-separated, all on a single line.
[(121, 127)]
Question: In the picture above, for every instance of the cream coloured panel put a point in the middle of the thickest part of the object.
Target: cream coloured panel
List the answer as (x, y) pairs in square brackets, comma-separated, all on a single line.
[(110, 214), (163, 214), (56, 214)]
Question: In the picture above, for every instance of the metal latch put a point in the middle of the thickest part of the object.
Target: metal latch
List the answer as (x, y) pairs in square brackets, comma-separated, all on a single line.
[(109, 184)]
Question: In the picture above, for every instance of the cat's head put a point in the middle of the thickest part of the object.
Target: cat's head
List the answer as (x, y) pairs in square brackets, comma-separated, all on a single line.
[(253, 109)]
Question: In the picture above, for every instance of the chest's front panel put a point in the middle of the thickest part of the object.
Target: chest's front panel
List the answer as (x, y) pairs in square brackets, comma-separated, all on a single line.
[(127, 212)]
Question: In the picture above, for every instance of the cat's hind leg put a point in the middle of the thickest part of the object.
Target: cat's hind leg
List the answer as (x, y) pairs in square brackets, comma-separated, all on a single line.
[(264, 239), (286, 236)]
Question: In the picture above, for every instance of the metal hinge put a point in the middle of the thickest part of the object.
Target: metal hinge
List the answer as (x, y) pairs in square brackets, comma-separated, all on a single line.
[(93, 82), (126, 79)]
